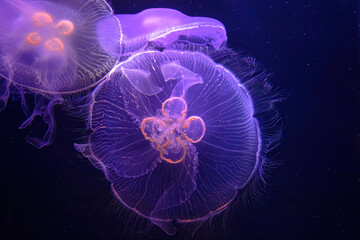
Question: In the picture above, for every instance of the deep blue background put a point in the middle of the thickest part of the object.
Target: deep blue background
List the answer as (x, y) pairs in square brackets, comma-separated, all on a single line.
[(312, 49)]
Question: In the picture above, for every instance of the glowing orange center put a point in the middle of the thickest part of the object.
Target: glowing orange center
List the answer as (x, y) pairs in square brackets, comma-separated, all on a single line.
[(169, 132), (65, 27), (33, 38), (54, 45), (41, 19)]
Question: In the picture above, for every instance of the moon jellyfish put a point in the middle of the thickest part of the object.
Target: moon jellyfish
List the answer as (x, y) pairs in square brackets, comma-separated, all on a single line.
[(51, 49), (176, 135), (161, 28)]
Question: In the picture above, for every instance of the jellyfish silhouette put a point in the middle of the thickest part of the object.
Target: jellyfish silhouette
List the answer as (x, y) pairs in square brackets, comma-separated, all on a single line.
[(161, 28), (50, 49), (175, 134)]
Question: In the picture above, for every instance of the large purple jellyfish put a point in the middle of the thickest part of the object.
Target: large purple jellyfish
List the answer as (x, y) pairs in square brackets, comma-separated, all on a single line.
[(175, 134), (51, 48), (161, 28)]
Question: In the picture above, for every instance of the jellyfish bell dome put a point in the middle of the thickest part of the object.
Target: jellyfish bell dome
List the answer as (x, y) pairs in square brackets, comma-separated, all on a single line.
[(175, 134), (51, 48), (164, 28)]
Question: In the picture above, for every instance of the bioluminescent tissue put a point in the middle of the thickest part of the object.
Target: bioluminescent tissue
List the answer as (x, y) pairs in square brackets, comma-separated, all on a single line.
[(175, 134), (50, 49), (176, 119), (161, 28)]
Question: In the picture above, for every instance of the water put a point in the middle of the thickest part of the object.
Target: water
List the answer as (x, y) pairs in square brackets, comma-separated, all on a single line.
[(312, 50)]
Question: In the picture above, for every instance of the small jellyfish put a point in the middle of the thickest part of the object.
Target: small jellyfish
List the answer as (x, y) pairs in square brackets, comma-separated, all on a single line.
[(162, 28), (176, 135), (51, 49)]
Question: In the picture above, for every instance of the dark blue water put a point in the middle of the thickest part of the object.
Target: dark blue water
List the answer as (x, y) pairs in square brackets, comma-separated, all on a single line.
[(312, 49)]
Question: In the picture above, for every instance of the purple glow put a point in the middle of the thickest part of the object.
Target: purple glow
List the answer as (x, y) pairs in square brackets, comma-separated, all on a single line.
[(163, 28), (50, 48), (172, 129), (180, 150)]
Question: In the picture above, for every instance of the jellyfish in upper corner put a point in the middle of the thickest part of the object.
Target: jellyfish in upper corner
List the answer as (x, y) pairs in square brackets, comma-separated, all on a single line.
[(51, 48), (177, 135), (162, 28)]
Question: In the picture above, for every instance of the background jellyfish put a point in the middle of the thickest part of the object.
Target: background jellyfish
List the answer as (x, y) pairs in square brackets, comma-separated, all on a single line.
[(176, 136), (161, 28), (51, 49)]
